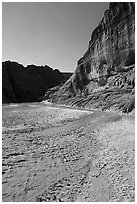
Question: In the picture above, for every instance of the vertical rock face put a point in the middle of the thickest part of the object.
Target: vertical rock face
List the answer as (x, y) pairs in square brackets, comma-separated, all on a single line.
[(111, 47), (111, 50), (20, 84)]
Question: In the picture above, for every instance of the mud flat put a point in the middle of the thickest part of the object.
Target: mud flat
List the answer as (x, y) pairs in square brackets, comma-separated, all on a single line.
[(61, 154)]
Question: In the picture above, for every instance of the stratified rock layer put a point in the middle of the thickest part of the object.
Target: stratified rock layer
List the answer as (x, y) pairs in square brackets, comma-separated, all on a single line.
[(107, 64), (20, 84)]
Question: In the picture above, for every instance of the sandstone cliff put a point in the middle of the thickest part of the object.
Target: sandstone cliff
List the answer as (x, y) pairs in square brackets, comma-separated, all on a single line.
[(26, 84), (105, 75)]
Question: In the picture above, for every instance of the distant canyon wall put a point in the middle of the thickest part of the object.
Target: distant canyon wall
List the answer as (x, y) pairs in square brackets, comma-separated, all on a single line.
[(27, 84)]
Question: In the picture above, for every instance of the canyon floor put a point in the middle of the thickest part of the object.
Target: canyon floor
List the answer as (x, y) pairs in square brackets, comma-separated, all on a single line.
[(60, 154)]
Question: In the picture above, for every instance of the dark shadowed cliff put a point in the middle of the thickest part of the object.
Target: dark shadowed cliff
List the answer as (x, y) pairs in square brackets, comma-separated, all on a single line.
[(27, 84), (105, 75)]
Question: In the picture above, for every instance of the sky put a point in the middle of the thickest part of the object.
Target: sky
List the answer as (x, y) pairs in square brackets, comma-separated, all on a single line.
[(49, 33)]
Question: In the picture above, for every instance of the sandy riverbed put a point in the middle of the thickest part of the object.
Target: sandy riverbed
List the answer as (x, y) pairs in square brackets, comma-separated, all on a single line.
[(61, 154)]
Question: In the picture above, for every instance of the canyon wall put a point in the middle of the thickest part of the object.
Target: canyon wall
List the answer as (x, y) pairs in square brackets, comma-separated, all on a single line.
[(27, 84), (108, 62)]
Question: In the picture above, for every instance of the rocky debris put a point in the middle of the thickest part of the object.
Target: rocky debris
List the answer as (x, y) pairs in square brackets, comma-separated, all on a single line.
[(27, 84), (90, 158), (119, 94), (108, 64)]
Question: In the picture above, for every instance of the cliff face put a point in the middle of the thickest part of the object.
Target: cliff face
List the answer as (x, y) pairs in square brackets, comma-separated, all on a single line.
[(109, 60), (20, 84)]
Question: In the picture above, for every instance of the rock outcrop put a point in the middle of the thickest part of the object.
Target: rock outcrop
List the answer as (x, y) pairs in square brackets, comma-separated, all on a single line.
[(27, 84), (107, 67)]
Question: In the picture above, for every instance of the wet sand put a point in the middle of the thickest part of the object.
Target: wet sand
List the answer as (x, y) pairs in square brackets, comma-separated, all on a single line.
[(54, 154)]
